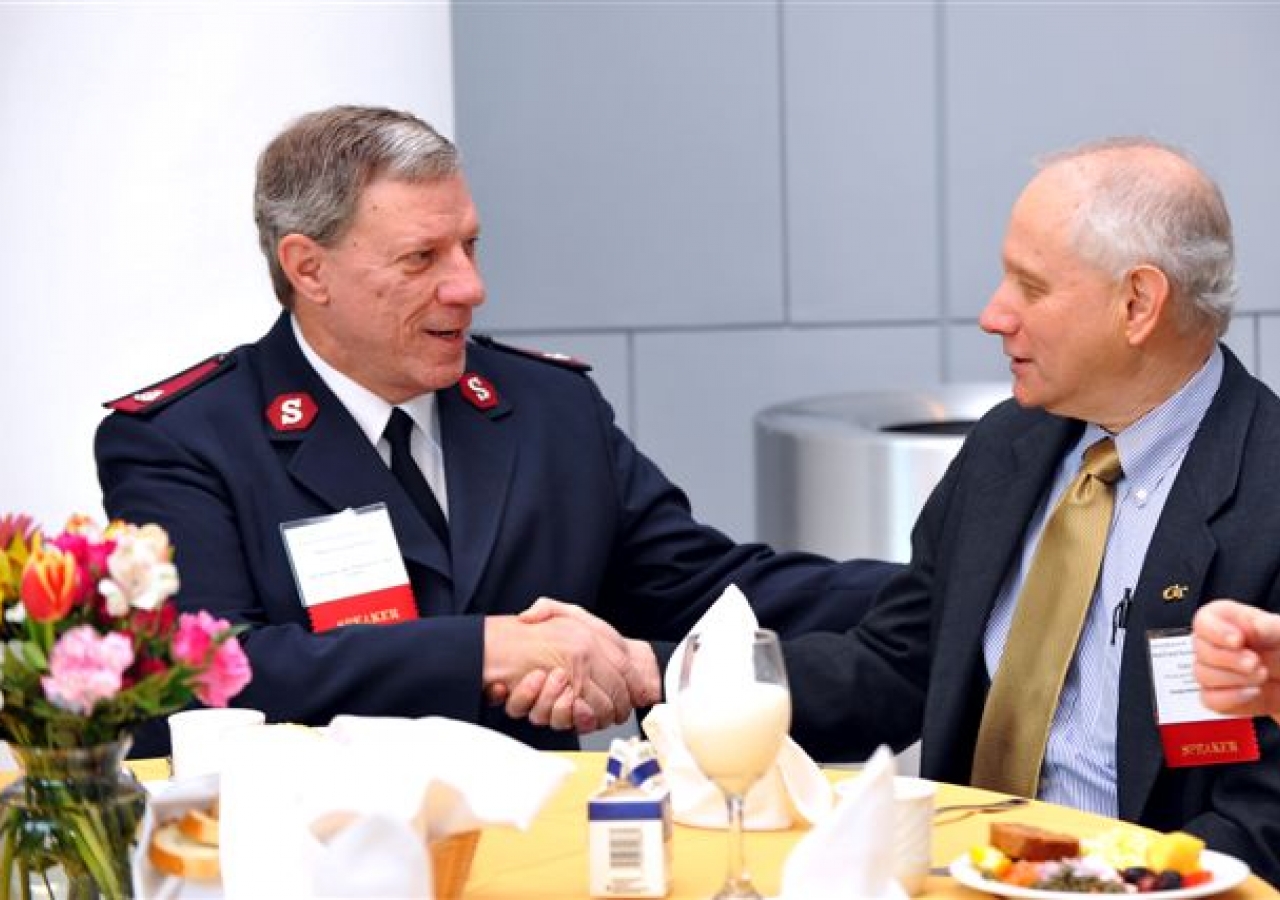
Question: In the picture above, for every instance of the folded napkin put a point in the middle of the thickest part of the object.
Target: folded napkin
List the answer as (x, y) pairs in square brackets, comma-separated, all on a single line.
[(348, 812), (795, 786), (849, 855)]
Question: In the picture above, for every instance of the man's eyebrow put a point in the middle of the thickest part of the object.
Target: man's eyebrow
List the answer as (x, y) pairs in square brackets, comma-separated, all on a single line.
[(1022, 272)]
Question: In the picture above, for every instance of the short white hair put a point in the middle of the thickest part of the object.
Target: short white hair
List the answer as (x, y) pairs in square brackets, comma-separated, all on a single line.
[(1172, 217)]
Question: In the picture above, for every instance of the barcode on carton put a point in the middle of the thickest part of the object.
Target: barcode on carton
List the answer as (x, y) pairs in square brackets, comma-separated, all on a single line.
[(630, 848), (626, 848)]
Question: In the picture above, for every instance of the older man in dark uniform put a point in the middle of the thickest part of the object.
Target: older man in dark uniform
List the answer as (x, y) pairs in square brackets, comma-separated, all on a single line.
[(378, 497)]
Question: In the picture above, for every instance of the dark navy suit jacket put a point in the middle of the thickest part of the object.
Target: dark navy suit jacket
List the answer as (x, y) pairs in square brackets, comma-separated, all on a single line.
[(546, 495), (916, 660)]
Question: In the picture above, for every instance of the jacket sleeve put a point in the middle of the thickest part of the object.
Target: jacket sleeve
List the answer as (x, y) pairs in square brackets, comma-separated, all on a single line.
[(667, 568), (854, 691)]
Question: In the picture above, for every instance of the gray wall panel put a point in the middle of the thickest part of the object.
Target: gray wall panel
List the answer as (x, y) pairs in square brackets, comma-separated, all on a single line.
[(861, 149), (606, 353), (699, 393), (974, 354), (1269, 351), (1242, 339), (1025, 79), (625, 157), (649, 173)]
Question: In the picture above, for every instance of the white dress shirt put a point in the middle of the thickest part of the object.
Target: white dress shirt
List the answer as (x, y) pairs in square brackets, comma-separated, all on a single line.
[(372, 413)]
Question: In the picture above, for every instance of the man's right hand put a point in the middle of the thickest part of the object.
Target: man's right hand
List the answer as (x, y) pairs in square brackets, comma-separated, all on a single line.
[(1238, 658), (567, 670)]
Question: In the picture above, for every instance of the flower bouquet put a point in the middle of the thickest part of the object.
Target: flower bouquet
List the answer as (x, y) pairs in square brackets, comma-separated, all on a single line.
[(91, 648)]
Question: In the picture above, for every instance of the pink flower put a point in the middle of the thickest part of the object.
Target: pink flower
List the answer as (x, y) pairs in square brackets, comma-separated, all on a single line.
[(84, 540), (195, 638), (202, 644), (86, 667), (226, 677)]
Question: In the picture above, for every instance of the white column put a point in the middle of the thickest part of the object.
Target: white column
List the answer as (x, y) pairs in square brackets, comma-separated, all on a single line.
[(127, 247)]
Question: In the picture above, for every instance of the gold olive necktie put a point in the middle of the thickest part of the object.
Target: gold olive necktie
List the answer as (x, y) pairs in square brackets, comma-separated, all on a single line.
[(1046, 627)]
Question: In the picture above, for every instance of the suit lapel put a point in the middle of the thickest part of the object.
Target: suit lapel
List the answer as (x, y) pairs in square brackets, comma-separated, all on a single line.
[(333, 459), (480, 453), (1174, 574), (1004, 499), (1001, 498)]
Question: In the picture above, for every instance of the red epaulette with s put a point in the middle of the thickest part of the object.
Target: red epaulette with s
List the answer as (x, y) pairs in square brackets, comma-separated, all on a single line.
[(556, 359), (162, 393)]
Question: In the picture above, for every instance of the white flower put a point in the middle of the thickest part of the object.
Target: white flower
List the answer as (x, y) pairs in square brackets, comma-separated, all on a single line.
[(142, 577)]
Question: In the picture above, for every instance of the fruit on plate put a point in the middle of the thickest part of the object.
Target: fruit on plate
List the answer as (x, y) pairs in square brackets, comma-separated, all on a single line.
[(1122, 860), (1178, 851)]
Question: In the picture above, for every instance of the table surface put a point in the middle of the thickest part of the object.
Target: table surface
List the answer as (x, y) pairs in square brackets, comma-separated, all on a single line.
[(550, 860)]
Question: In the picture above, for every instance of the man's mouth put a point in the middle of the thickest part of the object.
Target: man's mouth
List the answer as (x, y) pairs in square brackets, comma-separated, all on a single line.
[(450, 335)]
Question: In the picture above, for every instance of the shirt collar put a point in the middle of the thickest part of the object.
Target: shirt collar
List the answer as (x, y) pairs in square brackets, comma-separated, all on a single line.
[(369, 410), (1154, 443)]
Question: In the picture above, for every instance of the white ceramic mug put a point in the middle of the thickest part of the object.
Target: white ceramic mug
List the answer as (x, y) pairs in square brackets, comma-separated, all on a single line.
[(913, 800), (196, 736)]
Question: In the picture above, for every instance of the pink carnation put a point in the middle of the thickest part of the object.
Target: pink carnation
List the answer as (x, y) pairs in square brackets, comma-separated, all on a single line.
[(195, 638), (223, 668), (226, 677), (86, 667)]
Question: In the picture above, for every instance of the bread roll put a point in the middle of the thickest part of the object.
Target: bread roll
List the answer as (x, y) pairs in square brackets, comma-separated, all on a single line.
[(1031, 843), (199, 825), (173, 853)]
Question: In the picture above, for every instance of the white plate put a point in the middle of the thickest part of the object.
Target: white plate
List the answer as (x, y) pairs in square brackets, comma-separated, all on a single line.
[(1227, 873)]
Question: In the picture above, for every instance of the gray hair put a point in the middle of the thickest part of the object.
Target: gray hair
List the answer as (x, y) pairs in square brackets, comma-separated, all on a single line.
[(310, 177), (1171, 216)]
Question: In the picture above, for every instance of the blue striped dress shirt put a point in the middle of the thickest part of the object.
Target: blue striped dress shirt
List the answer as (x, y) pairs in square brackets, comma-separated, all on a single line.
[(1080, 761)]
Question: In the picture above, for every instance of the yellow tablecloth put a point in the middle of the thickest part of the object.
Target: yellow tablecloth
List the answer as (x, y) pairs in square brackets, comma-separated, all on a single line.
[(550, 860)]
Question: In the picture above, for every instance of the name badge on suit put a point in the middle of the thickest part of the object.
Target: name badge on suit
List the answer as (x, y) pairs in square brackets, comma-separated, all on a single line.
[(349, 569)]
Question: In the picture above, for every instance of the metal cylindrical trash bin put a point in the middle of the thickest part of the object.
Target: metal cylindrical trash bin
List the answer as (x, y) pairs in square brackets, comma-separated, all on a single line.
[(846, 475)]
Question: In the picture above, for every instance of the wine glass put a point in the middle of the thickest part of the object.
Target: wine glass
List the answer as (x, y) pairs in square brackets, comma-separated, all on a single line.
[(734, 708)]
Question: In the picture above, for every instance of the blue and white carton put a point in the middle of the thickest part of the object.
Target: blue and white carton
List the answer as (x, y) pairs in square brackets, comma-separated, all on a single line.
[(629, 825)]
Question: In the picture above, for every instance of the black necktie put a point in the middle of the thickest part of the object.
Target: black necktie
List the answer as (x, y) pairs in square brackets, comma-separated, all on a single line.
[(410, 476)]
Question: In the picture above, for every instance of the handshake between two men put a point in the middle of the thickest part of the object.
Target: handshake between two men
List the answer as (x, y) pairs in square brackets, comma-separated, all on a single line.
[(557, 664)]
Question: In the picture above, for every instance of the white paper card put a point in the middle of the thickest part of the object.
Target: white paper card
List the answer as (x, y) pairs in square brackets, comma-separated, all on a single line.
[(344, 555), (1173, 676)]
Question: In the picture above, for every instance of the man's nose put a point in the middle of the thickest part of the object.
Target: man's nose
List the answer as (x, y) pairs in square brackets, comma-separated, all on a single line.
[(996, 316), (463, 285)]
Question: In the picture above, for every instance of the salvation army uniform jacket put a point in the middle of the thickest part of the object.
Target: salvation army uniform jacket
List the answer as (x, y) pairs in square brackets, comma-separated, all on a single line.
[(547, 497), (917, 657)]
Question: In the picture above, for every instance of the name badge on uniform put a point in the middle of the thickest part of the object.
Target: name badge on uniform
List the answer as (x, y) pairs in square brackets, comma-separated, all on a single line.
[(349, 570), (1192, 734)]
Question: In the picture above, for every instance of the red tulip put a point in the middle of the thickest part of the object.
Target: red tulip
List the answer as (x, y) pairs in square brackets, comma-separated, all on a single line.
[(50, 584)]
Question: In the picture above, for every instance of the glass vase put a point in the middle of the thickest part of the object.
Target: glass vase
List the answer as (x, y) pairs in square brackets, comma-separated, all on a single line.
[(68, 824)]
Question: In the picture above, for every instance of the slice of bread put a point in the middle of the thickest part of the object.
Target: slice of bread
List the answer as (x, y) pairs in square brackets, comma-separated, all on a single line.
[(1031, 843), (200, 825), (173, 853)]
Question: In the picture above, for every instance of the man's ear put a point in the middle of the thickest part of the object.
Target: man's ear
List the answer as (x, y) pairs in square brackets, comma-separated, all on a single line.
[(302, 259), (1146, 297)]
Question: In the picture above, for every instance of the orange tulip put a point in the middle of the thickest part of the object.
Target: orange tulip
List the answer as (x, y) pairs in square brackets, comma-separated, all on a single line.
[(50, 584)]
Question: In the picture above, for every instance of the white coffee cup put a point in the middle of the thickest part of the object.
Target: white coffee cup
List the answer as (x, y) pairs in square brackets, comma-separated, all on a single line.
[(913, 800), (196, 737)]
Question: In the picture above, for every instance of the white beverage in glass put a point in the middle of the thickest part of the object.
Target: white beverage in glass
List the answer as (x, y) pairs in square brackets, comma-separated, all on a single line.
[(734, 709), (735, 735)]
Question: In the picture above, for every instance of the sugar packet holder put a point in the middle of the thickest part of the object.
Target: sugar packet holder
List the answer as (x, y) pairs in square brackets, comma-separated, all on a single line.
[(629, 825)]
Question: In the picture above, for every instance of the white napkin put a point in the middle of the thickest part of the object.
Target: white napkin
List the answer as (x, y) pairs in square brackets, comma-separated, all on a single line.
[(849, 855), (795, 784), (347, 813)]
